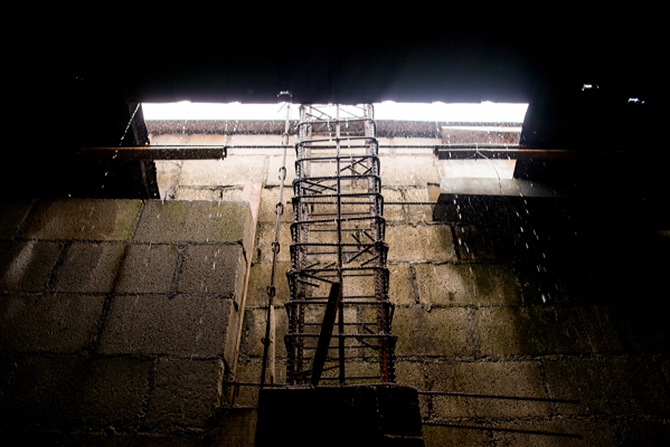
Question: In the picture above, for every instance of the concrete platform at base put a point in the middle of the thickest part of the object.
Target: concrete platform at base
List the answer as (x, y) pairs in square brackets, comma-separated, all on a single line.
[(357, 415)]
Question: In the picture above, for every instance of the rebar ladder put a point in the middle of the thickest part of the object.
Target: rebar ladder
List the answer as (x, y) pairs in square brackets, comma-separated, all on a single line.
[(339, 313)]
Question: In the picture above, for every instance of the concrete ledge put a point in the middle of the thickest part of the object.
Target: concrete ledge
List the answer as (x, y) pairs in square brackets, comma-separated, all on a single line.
[(196, 221), (82, 219), (358, 415)]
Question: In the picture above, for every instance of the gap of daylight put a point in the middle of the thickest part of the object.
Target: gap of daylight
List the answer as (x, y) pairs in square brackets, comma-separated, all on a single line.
[(484, 112)]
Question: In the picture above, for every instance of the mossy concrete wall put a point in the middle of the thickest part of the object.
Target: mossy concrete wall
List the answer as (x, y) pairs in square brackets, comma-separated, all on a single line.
[(498, 296), (120, 319)]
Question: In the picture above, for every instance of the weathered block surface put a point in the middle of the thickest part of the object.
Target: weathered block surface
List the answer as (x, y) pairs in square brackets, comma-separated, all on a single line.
[(51, 323), (147, 268), (82, 219), (120, 316), (49, 393), (420, 243), (27, 266), (450, 284), (182, 325), (186, 393), (89, 267), (433, 332), (197, 221), (212, 269)]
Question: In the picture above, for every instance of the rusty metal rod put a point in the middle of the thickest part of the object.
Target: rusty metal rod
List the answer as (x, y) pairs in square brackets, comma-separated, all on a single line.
[(157, 152), (498, 396), (502, 429)]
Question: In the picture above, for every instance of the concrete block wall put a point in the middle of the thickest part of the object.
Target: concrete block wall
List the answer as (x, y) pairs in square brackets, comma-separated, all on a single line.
[(120, 318), (507, 297)]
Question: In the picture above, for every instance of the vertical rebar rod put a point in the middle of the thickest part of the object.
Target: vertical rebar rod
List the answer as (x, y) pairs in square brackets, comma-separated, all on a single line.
[(339, 244), (269, 339)]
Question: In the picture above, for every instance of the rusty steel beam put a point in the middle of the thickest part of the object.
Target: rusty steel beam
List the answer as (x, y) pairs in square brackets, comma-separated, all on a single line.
[(469, 152), (157, 152)]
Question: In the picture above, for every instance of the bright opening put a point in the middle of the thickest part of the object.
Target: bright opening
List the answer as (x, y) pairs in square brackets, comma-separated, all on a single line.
[(474, 122), (484, 112)]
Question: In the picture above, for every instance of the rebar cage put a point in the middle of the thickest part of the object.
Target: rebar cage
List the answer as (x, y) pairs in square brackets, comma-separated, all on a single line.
[(339, 312)]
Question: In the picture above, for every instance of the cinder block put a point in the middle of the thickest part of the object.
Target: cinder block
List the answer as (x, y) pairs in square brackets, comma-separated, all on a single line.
[(432, 332), (12, 213), (401, 284), (415, 212), (196, 221), (411, 373), (607, 385), (265, 236), (147, 268), (53, 323), (259, 280), (420, 243), (393, 212), (183, 325), (89, 267), (571, 329), (275, 162), (114, 391), (415, 170), (487, 378), (250, 371), (479, 243), (233, 170), (27, 266), (213, 269), (449, 284), (53, 392), (503, 331), (254, 332), (186, 393), (455, 437), (87, 219), (268, 206), (595, 432), (191, 193)]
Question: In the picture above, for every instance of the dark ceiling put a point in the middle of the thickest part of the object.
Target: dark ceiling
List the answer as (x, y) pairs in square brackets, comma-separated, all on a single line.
[(83, 73), (357, 54)]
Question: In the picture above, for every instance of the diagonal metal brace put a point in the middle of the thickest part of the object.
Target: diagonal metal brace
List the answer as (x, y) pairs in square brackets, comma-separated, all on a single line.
[(326, 332)]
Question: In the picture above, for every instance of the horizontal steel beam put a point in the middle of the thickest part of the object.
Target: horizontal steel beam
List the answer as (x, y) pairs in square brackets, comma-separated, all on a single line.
[(469, 152), (155, 152), (443, 152)]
